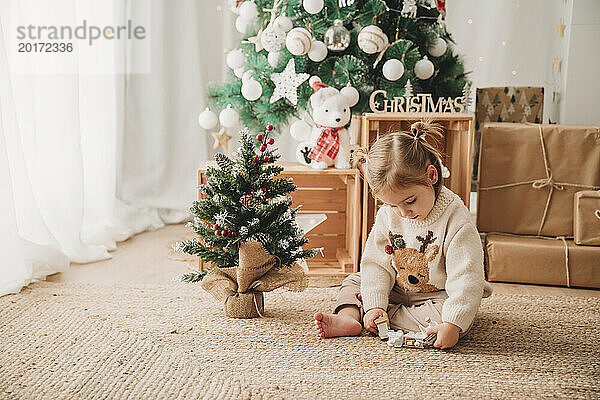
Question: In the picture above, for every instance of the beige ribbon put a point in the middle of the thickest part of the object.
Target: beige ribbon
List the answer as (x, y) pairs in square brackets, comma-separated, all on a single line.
[(539, 184), (257, 272), (564, 240)]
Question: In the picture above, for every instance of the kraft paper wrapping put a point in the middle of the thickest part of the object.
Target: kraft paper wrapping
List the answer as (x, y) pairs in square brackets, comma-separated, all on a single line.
[(529, 174), (542, 261), (506, 104), (586, 223)]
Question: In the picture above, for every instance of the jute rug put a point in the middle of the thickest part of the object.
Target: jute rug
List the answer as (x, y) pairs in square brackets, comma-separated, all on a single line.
[(83, 341)]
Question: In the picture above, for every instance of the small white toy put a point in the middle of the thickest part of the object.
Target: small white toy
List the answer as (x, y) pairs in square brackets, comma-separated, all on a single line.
[(418, 340), (327, 142), (382, 327)]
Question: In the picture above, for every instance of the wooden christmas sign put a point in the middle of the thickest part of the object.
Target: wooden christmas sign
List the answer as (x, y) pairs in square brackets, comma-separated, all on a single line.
[(419, 103)]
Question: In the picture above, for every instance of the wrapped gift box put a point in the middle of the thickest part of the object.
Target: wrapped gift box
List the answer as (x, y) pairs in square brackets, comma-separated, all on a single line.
[(529, 174), (542, 261), (506, 104), (586, 222)]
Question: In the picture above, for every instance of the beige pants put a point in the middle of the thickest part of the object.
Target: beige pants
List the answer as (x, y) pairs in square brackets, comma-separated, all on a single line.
[(406, 310)]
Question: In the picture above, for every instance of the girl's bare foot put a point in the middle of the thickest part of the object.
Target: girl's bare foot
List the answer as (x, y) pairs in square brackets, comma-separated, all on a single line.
[(331, 325)]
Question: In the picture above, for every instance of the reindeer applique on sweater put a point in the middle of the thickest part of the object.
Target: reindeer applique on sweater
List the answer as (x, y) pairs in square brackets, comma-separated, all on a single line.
[(412, 265)]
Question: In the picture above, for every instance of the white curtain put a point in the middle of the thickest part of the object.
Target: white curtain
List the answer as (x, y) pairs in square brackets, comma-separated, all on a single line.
[(90, 157)]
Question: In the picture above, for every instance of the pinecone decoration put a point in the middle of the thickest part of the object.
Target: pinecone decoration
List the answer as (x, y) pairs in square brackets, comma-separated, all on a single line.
[(223, 162), (251, 202)]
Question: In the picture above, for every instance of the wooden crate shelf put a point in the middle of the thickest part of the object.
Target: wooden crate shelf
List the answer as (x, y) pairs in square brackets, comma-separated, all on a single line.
[(456, 147), (335, 193)]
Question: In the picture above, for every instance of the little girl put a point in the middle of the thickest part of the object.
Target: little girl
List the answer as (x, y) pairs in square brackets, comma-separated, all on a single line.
[(423, 258)]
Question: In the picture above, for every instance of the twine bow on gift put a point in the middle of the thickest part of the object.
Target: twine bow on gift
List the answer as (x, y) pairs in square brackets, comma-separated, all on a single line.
[(241, 288), (542, 183)]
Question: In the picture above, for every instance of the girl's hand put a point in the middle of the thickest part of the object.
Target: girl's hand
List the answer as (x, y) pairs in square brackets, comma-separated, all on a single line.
[(371, 316), (447, 335)]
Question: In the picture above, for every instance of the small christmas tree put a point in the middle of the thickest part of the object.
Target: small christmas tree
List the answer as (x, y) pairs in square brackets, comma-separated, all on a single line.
[(243, 201)]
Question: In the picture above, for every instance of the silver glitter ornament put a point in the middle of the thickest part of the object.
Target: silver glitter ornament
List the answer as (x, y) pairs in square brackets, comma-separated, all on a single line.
[(337, 37)]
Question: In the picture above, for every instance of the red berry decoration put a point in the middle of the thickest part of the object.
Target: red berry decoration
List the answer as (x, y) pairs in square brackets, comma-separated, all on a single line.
[(266, 158), (389, 249), (217, 233), (215, 227), (263, 147), (231, 233), (255, 158), (259, 138), (271, 141), (269, 128), (263, 189)]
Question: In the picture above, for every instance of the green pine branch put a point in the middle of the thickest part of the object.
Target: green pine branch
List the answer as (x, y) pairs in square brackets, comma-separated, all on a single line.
[(351, 65)]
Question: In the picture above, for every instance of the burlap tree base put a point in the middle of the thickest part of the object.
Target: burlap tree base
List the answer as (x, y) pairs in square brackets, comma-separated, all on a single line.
[(241, 288), (245, 305)]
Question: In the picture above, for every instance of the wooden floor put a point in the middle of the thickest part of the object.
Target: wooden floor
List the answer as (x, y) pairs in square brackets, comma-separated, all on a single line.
[(148, 258)]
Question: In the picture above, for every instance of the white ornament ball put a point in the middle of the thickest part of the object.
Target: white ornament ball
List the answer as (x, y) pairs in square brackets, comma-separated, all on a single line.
[(272, 38), (273, 59), (229, 117), (247, 75), (242, 24), (350, 93), (318, 51), (313, 79), (313, 6), (424, 69), (239, 72), (251, 90), (371, 39), (207, 119), (248, 10), (300, 130), (298, 41), (438, 48), (393, 69), (236, 59), (283, 23)]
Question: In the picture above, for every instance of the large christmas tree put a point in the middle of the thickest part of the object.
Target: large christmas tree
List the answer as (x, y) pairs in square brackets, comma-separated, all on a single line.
[(243, 201), (365, 44)]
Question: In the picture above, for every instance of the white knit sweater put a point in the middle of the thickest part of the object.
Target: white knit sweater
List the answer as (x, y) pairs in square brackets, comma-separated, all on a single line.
[(443, 251)]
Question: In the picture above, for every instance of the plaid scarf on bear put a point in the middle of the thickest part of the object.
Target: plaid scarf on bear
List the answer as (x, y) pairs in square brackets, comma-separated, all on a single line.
[(328, 144)]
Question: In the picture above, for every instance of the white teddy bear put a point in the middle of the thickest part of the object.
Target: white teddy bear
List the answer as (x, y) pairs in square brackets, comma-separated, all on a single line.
[(328, 141)]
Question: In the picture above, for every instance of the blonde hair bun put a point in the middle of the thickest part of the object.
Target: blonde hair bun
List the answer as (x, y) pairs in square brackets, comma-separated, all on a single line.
[(401, 158), (421, 129)]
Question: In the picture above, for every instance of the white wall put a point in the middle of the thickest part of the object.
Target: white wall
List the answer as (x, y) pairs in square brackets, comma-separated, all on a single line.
[(582, 70), (514, 42), (509, 43)]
